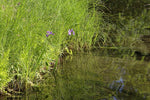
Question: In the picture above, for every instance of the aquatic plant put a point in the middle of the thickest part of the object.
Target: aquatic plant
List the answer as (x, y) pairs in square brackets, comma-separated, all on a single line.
[(23, 26), (124, 25), (4, 74), (49, 33), (71, 31)]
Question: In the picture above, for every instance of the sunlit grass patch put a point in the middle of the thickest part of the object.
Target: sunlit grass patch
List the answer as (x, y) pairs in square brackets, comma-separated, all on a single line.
[(4, 70), (36, 32)]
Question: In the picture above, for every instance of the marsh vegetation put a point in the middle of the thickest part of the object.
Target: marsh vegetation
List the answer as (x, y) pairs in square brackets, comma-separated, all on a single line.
[(75, 49)]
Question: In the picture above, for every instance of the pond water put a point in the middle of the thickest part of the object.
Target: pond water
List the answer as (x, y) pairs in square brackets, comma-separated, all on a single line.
[(98, 75)]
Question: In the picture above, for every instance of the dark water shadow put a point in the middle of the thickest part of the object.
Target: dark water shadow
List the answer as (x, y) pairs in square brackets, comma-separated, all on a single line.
[(97, 75)]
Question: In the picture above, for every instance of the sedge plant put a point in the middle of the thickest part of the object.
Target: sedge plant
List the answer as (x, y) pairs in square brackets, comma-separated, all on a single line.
[(35, 32)]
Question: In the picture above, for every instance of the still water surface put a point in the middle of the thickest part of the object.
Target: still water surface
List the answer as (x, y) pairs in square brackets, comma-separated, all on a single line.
[(98, 75)]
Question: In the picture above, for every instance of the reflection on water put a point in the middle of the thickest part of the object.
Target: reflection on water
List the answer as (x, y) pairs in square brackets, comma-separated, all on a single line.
[(98, 75), (92, 76), (120, 85)]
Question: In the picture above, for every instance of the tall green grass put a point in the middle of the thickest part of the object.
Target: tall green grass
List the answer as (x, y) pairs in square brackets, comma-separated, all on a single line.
[(24, 47), (123, 30)]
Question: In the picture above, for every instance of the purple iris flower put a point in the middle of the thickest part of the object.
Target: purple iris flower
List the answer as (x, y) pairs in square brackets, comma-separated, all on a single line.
[(71, 31), (49, 33)]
